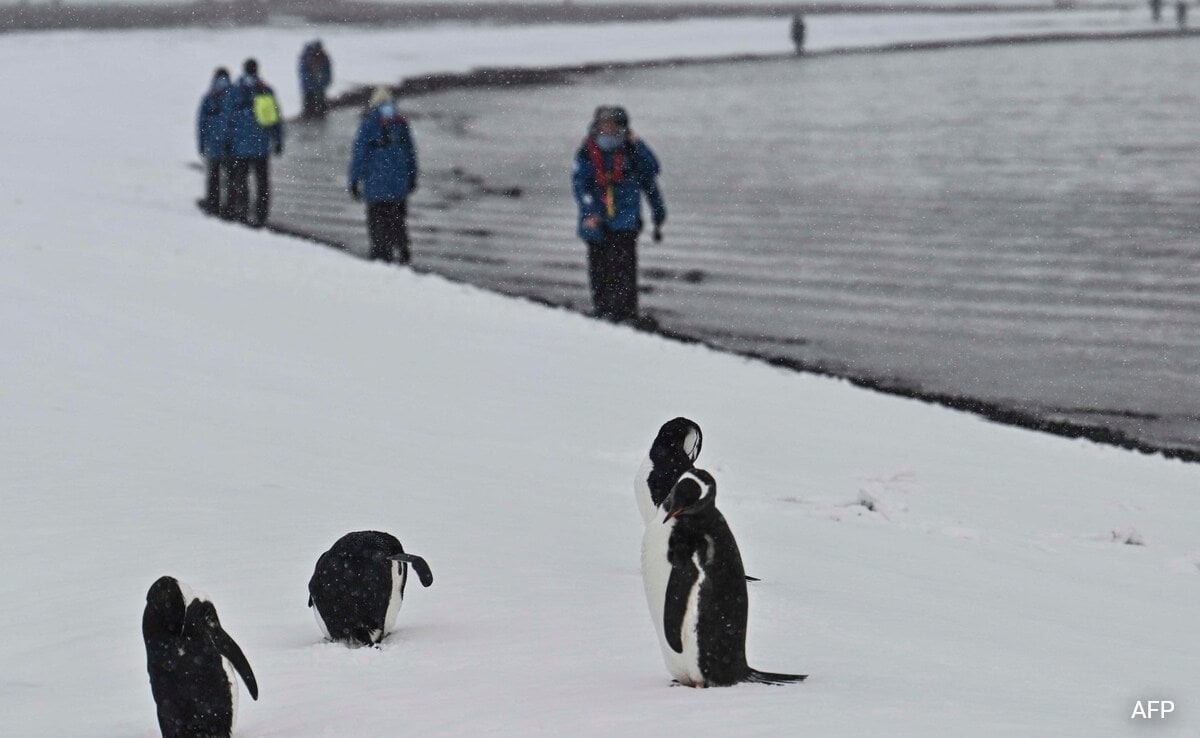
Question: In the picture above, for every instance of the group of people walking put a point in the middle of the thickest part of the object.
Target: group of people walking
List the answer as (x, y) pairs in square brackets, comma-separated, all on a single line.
[(240, 126)]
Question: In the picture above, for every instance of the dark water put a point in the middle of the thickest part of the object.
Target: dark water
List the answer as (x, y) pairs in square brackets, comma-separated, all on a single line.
[(1017, 225)]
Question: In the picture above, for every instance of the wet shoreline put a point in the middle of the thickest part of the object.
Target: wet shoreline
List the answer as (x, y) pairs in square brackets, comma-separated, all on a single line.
[(470, 253), (992, 411), (515, 77)]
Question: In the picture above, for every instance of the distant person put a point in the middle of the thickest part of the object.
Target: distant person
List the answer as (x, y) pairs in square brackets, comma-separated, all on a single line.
[(256, 128), (383, 173), (613, 170), (1181, 10), (1156, 10), (798, 32), (316, 74), (213, 142)]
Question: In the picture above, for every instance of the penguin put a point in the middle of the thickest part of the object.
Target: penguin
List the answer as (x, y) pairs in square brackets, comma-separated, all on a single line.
[(358, 585), (191, 661), (674, 451), (696, 589)]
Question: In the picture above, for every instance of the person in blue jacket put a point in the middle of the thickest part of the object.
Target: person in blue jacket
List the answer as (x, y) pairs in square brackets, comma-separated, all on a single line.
[(212, 141), (613, 170), (255, 130), (383, 172), (316, 74)]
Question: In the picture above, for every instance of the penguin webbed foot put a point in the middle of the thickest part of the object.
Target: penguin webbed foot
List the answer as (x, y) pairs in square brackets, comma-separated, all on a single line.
[(696, 685)]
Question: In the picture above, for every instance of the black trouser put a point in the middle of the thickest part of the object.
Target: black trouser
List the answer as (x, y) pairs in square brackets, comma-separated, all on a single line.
[(387, 226), (612, 270), (239, 189), (212, 186), (315, 105)]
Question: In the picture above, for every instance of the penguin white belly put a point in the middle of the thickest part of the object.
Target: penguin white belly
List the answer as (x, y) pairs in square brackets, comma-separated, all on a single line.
[(231, 676), (641, 489), (394, 600), (685, 667), (656, 573), (321, 622)]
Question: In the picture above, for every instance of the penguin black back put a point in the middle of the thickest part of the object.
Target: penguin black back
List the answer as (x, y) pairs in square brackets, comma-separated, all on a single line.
[(704, 556), (354, 589), (186, 654)]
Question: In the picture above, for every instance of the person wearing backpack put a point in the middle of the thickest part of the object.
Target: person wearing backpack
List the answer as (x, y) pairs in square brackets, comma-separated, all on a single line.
[(613, 169), (383, 173), (213, 142), (316, 74), (255, 129)]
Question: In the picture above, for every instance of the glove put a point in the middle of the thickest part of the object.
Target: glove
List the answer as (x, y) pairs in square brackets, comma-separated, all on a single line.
[(412, 186), (354, 193), (657, 234), (279, 149)]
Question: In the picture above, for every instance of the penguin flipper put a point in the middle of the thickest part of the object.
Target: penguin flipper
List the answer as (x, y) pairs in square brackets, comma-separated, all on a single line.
[(419, 566), (224, 643), (679, 591), (767, 677)]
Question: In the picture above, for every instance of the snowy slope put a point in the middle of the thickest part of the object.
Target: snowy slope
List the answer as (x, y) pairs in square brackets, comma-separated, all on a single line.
[(186, 397)]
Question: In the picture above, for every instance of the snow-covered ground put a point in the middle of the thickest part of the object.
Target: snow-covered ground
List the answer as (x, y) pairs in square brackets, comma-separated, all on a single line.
[(186, 397)]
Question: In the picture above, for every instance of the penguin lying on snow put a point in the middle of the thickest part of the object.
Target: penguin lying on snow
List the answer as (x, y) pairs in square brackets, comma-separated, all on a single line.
[(358, 586), (696, 588), (191, 661)]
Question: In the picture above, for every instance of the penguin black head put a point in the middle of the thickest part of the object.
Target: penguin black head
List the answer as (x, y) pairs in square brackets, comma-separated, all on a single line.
[(676, 438), (166, 605), (694, 494)]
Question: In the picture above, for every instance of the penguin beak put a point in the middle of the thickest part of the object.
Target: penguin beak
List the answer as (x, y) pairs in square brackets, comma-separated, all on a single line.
[(670, 506)]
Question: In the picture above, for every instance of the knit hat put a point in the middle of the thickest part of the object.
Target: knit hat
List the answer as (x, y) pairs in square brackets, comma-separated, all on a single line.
[(614, 113), (379, 96)]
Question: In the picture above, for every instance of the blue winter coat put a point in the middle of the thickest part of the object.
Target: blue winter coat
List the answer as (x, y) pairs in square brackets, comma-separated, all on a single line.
[(248, 138), (639, 177), (316, 71), (211, 128), (384, 158)]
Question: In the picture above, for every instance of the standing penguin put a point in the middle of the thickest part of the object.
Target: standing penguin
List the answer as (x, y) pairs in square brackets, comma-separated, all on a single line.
[(358, 585), (191, 661), (673, 452), (696, 588)]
